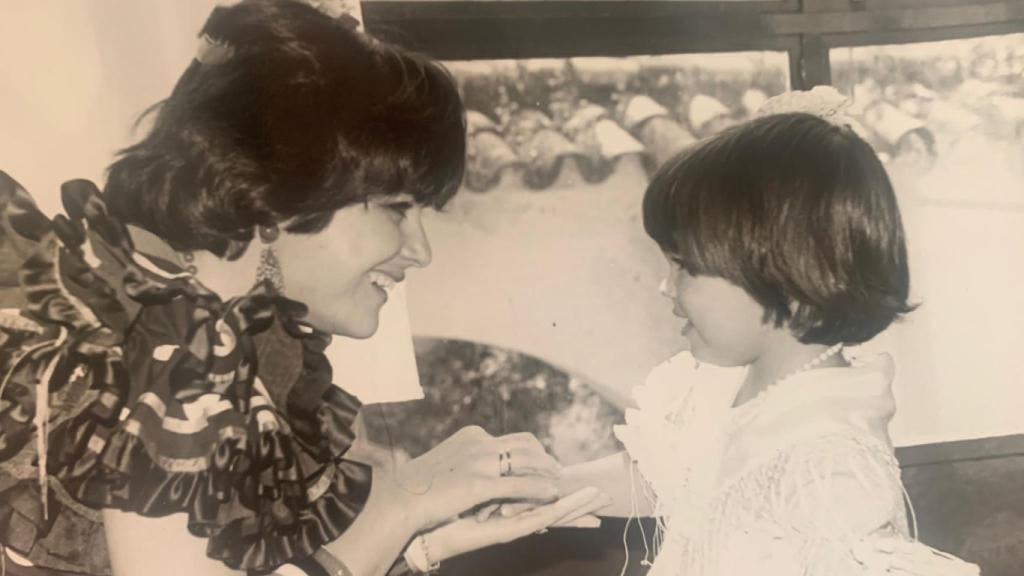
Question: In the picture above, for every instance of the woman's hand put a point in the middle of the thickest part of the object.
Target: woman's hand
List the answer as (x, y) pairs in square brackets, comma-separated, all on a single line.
[(465, 471), (469, 533)]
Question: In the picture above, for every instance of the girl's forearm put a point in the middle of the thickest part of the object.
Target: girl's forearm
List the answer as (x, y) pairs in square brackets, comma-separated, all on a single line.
[(611, 475)]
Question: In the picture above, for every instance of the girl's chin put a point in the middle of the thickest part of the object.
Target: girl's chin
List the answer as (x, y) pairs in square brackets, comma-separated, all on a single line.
[(705, 356), (702, 353)]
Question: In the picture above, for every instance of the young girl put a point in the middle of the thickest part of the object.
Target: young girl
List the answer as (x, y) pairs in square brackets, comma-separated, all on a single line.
[(766, 449)]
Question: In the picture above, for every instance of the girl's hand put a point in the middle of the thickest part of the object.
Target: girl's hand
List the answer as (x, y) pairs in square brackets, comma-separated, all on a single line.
[(468, 534), (466, 470)]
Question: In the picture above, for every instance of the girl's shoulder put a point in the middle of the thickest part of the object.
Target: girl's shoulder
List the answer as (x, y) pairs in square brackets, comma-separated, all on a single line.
[(853, 400)]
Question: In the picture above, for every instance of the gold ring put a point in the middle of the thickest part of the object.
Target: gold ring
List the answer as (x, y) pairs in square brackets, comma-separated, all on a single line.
[(504, 463)]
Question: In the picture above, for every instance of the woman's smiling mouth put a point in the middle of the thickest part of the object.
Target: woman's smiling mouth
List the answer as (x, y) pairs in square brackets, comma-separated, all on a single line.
[(382, 280)]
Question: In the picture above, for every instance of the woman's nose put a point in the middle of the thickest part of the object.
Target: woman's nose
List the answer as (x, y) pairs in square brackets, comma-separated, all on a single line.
[(417, 246)]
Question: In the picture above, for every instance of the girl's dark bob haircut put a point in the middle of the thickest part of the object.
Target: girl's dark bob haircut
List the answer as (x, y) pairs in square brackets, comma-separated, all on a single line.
[(798, 212), (307, 115)]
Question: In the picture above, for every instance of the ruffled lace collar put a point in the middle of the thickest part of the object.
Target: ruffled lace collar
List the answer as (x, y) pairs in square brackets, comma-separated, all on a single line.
[(861, 391)]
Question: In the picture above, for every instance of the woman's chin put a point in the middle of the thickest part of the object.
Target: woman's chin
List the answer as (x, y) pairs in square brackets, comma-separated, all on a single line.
[(356, 328), (362, 330)]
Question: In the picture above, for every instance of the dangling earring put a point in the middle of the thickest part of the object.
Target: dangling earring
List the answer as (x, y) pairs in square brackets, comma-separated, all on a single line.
[(189, 258), (269, 269)]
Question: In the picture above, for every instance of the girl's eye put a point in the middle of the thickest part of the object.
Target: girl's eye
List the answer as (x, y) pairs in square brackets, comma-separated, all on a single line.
[(684, 265), (399, 208)]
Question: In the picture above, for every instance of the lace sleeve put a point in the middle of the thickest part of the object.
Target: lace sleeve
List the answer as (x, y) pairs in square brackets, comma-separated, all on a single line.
[(841, 511), (649, 434), (841, 487), (675, 433)]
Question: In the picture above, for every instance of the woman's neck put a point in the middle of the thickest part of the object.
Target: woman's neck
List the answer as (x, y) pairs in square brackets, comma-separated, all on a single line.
[(784, 358), (228, 278)]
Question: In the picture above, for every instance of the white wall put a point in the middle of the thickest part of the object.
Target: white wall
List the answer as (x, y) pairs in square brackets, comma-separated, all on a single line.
[(74, 76)]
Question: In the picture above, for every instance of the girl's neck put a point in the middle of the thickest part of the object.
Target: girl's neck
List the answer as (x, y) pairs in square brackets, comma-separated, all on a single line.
[(783, 359)]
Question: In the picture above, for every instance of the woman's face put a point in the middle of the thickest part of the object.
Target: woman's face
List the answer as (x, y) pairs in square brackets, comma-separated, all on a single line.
[(723, 324), (343, 273)]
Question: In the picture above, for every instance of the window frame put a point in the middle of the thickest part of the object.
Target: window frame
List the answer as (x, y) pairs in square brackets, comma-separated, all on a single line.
[(805, 29)]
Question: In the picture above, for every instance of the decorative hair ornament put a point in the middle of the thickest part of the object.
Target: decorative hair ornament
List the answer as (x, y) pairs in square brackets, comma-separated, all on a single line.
[(213, 52), (346, 11), (825, 102)]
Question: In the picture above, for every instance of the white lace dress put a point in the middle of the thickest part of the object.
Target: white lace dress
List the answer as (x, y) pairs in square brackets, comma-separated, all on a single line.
[(801, 480)]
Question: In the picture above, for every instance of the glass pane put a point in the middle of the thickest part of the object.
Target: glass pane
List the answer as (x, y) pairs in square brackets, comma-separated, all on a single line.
[(717, 1), (544, 252), (949, 119), (469, 383)]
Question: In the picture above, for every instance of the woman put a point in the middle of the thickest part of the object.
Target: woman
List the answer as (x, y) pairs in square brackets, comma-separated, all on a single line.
[(162, 345)]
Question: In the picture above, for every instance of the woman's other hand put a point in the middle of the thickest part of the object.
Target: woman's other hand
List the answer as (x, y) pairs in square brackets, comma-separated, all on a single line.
[(471, 468), (468, 533)]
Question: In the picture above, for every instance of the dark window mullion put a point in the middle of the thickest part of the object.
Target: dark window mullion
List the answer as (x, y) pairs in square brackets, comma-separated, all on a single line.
[(490, 30)]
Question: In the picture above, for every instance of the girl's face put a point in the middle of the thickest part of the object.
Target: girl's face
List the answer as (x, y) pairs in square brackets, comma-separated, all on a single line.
[(723, 324), (343, 273)]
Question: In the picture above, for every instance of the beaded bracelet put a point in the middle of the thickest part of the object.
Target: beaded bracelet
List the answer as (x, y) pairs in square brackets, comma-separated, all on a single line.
[(417, 555)]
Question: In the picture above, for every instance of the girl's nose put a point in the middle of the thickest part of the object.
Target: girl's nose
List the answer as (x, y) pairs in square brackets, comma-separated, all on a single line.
[(664, 288)]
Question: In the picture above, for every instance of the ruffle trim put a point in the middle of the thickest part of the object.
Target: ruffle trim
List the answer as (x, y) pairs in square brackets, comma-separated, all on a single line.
[(153, 400)]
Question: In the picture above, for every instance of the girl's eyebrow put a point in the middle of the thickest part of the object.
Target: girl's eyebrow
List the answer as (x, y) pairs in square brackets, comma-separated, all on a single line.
[(403, 196), (392, 198)]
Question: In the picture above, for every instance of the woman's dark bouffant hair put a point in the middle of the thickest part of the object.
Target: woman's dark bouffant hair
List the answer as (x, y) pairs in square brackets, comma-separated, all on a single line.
[(798, 212), (306, 116)]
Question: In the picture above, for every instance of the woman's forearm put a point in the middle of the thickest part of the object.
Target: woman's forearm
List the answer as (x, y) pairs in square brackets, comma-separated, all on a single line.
[(379, 534), (157, 547), (611, 475)]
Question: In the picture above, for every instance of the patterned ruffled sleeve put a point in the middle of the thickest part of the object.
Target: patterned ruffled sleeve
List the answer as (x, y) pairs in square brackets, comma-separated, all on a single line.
[(128, 385)]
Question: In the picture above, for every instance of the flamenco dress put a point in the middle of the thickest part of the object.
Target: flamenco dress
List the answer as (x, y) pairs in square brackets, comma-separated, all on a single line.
[(127, 384)]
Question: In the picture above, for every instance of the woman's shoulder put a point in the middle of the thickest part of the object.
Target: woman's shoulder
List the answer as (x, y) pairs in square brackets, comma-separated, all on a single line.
[(148, 381)]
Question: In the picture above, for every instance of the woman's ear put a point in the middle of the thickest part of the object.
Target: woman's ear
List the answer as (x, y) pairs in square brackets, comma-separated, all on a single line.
[(235, 249)]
